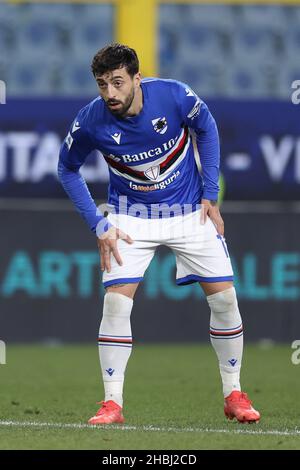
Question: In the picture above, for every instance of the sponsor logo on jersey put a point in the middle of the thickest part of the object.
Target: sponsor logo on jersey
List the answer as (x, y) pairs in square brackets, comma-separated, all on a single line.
[(117, 137), (166, 163), (152, 173), (156, 186), (160, 125), (114, 157), (137, 157)]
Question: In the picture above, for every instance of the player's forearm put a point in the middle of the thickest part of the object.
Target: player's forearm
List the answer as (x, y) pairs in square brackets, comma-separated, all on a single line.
[(209, 149), (205, 128), (77, 190)]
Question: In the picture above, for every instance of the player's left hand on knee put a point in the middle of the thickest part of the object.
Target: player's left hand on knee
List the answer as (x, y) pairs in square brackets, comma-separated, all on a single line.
[(211, 209)]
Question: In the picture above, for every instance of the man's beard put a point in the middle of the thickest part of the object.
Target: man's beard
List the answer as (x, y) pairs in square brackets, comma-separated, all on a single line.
[(121, 110)]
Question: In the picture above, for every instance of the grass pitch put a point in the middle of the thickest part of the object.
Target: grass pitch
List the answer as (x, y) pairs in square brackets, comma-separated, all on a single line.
[(173, 399)]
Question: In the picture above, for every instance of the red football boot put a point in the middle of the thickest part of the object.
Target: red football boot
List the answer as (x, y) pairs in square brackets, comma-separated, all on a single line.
[(110, 412), (237, 405)]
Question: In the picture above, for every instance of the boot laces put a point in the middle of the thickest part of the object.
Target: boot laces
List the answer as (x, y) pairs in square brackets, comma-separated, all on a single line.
[(103, 407), (244, 400)]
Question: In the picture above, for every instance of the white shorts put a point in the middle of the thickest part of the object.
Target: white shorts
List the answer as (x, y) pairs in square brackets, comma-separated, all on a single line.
[(201, 254)]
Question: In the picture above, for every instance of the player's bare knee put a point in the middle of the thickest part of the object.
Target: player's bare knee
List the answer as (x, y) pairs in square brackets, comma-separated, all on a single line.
[(128, 289), (223, 302)]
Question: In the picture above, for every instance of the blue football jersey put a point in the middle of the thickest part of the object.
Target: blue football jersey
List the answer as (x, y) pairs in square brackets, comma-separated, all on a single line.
[(153, 157)]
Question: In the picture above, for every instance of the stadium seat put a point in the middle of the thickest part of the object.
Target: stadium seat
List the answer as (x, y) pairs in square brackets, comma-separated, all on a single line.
[(168, 46), (89, 36), (205, 79), (31, 78), (245, 81), (292, 42), (254, 45), (61, 14), (76, 79), (61, 17), (8, 25), (268, 17), (217, 17), (293, 13), (37, 39), (86, 11), (199, 43), (171, 15), (6, 38), (9, 12)]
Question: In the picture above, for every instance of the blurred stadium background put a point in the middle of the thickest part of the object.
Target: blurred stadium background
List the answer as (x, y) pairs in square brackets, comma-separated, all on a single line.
[(242, 59)]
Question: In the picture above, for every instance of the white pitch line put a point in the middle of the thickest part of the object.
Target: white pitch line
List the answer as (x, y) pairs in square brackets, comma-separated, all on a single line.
[(271, 432)]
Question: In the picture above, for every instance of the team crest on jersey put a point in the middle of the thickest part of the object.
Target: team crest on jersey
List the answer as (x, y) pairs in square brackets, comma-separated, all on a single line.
[(152, 173), (160, 125)]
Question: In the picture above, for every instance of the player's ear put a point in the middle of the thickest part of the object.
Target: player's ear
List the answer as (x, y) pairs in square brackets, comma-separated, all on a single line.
[(137, 79)]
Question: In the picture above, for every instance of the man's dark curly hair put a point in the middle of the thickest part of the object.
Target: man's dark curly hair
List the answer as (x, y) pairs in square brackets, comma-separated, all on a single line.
[(115, 56)]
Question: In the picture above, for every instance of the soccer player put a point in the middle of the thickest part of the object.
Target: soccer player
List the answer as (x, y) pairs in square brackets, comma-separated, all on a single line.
[(151, 132)]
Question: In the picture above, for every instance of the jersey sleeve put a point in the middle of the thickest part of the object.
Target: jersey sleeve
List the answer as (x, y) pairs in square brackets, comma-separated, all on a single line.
[(73, 153), (196, 115)]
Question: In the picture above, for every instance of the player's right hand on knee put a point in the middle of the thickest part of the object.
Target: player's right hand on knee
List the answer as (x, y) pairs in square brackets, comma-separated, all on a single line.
[(107, 244)]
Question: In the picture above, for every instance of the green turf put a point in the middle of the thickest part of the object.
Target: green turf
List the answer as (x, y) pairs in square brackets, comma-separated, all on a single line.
[(167, 386)]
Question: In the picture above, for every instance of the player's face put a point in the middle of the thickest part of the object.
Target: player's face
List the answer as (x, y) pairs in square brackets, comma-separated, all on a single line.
[(118, 89)]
